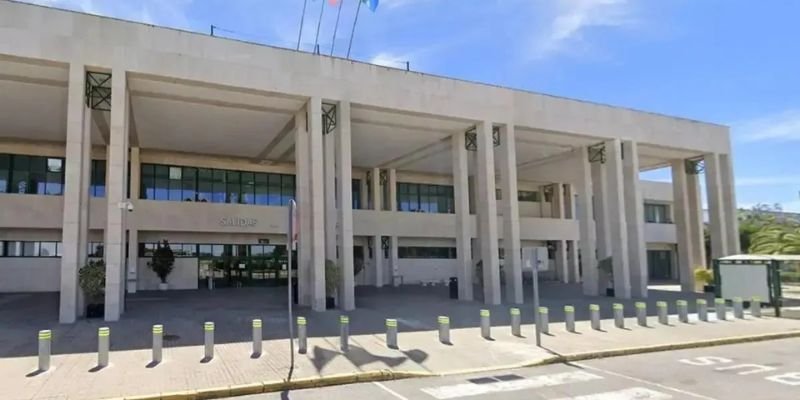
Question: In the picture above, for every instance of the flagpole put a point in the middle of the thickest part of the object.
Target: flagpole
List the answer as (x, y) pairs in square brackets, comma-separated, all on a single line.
[(302, 18), (336, 27), (353, 31), (319, 23)]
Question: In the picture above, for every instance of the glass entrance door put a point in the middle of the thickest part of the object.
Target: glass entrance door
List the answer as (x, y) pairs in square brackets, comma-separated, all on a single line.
[(242, 265), (660, 264)]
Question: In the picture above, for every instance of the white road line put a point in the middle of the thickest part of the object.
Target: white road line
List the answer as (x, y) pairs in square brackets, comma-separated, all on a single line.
[(390, 391), (634, 393), (658, 385), (475, 389)]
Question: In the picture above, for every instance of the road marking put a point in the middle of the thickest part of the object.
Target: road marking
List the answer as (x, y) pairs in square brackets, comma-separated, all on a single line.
[(754, 368), (634, 393), (791, 379), (390, 391), (658, 385), (475, 389), (705, 361)]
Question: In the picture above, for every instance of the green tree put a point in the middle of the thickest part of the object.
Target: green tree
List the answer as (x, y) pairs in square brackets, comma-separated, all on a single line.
[(163, 261), (776, 239)]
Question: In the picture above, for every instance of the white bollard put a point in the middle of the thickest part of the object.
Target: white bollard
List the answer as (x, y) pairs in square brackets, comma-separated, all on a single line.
[(702, 310), (683, 311), (594, 314), (663, 314), (444, 329), (641, 313), (158, 343), (755, 307), (45, 339), (208, 329), (103, 344), (344, 333), (569, 318), (391, 333), (256, 338), (516, 322), (721, 308), (544, 320), (738, 308), (302, 338), (619, 315), (486, 324)]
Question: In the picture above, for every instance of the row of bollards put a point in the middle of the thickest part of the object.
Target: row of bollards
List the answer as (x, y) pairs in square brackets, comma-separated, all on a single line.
[(104, 333)]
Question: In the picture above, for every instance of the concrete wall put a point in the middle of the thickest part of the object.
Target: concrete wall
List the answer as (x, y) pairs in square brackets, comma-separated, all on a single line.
[(660, 233), (30, 274)]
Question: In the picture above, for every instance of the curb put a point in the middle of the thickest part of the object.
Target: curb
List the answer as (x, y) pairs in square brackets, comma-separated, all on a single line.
[(388, 375)]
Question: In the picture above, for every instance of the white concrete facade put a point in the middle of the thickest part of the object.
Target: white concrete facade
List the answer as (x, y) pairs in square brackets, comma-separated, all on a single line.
[(430, 154)]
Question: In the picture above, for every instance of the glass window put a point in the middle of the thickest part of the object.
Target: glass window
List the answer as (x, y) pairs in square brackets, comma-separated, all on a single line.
[(656, 213), (148, 186), (96, 249), (287, 189), (248, 188), (219, 186), (189, 184), (205, 185), (30, 249), (262, 188), (426, 252), (205, 250), (417, 197), (528, 196), (2, 248), (233, 185), (356, 193), (97, 186), (47, 249), (162, 182), (175, 184), (218, 250), (19, 174), (54, 177), (5, 172), (274, 190)]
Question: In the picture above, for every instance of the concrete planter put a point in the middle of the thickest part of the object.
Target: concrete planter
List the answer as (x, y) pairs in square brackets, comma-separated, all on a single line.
[(163, 286)]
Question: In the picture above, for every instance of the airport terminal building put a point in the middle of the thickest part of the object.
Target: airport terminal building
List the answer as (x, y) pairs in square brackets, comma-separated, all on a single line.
[(116, 135)]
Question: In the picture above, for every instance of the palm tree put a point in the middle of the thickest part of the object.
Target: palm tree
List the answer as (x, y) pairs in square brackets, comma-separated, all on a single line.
[(776, 239)]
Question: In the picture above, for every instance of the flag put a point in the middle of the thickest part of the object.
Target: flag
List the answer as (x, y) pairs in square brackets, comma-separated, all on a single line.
[(332, 2), (373, 4)]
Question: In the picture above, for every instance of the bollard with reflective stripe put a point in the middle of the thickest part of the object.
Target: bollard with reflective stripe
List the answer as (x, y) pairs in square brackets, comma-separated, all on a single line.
[(486, 324), (302, 341), (683, 311), (103, 339), (755, 307), (663, 313), (738, 308), (569, 318), (256, 337), (344, 333), (391, 333), (594, 314), (516, 329), (208, 328), (702, 310), (444, 329), (721, 309), (158, 343), (641, 313), (544, 320), (45, 339), (619, 315)]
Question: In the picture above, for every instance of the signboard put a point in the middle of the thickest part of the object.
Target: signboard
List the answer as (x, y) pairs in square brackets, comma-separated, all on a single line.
[(238, 221)]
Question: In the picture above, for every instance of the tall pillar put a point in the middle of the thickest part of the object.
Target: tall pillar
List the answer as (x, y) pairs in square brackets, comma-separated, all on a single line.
[(461, 202), (510, 205), (716, 207), (377, 248), (600, 208), (616, 213), (394, 259), (344, 178), (303, 194), (76, 194), (729, 198), (316, 204), (696, 228), (573, 267), (329, 169), (116, 194), (634, 217), (683, 225), (133, 234), (585, 213), (558, 211), (487, 213)]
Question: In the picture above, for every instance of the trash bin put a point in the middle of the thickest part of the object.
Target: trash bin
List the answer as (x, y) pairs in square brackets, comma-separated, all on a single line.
[(453, 288)]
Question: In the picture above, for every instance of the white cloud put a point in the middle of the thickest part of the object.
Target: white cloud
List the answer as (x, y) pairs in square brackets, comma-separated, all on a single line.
[(768, 181), (170, 13), (779, 127), (390, 60), (572, 18)]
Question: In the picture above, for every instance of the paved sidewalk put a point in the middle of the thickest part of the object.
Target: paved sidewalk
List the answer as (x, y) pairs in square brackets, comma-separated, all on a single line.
[(128, 375)]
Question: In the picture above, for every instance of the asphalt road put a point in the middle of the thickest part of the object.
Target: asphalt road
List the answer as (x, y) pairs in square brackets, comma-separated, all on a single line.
[(762, 371)]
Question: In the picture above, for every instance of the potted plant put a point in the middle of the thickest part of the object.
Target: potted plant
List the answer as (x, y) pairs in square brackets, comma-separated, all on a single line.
[(92, 280), (162, 263), (332, 271), (607, 267), (706, 277)]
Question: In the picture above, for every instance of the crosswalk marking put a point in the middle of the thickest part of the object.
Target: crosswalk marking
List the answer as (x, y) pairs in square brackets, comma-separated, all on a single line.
[(475, 389), (634, 393)]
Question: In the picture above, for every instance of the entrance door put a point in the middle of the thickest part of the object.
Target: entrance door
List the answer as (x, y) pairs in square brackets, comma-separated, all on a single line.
[(660, 264), (242, 265)]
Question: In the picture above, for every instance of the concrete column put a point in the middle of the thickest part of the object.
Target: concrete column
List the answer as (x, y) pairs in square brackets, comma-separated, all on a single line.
[(392, 190), (76, 194), (696, 222), (558, 211), (634, 216), (586, 223), (377, 249), (329, 169), (573, 267), (487, 214), (716, 207), (461, 202), (510, 206), (133, 236), (364, 193), (344, 170), (394, 243), (302, 195), (681, 210), (616, 213), (116, 194), (729, 199), (600, 209), (316, 204)]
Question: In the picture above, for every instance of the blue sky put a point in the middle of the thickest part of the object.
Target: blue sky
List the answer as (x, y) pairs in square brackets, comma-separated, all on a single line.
[(730, 62)]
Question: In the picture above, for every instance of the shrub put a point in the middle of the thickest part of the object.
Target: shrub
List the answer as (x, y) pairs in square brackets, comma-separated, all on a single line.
[(92, 280), (704, 275), (163, 261)]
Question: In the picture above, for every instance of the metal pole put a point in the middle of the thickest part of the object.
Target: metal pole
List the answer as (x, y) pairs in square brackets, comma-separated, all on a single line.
[(257, 337), (353, 31), (738, 308), (683, 311), (569, 318), (721, 309), (208, 328), (663, 315), (702, 310), (444, 329), (302, 19), (544, 320), (619, 315), (291, 245), (212, 30), (391, 333), (45, 337), (319, 23), (486, 324), (515, 322), (102, 346), (302, 341), (344, 333), (641, 313), (336, 27), (594, 315), (158, 343)]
